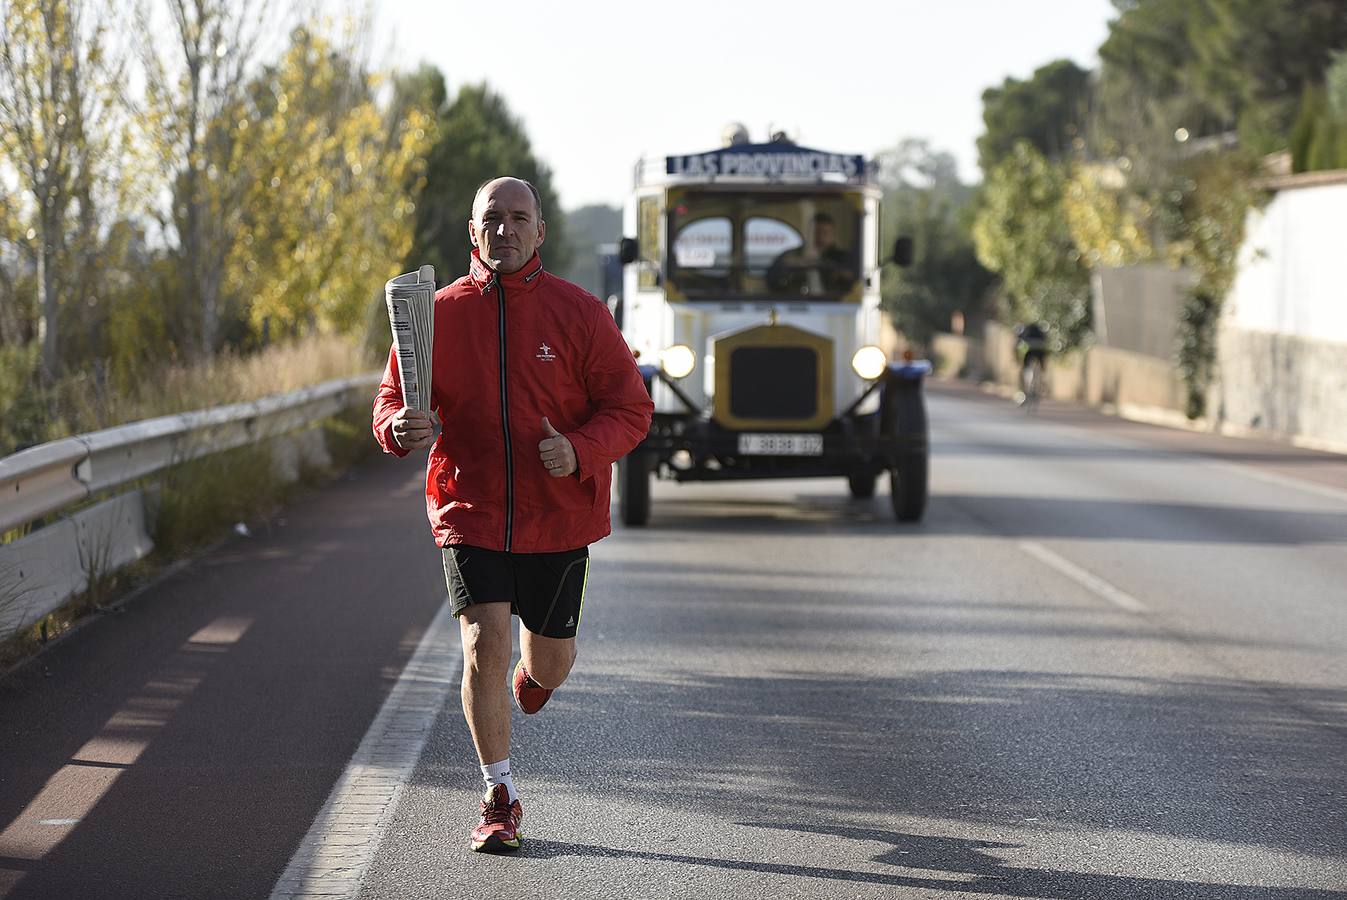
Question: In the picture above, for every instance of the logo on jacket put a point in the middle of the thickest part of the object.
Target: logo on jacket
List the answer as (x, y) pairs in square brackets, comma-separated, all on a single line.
[(545, 353)]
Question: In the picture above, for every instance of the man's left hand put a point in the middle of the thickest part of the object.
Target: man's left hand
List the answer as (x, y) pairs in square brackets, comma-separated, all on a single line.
[(556, 452)]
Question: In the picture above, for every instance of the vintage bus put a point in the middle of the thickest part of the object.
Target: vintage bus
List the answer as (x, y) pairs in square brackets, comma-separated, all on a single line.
[(751, 300)]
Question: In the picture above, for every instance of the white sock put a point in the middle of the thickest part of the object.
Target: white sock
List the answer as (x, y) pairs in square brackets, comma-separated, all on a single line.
[(499, 773)]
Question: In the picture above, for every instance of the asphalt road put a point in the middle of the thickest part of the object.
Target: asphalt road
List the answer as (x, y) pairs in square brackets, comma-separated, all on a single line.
[(182, 747), (1110, 664)]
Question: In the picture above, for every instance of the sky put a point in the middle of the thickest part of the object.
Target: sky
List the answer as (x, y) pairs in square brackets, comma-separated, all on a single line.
[(600, 83)]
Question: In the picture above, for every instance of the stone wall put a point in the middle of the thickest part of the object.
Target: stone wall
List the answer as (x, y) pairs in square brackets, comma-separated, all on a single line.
[(1100, 376), (1293, 386)]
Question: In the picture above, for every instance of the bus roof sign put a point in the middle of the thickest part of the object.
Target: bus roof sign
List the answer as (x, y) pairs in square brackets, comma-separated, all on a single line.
[(767, 161)]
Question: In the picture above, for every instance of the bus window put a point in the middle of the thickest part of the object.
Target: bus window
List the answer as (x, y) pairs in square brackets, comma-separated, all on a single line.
[(823, 264), (733, 245), (703, 253), (765, 240)]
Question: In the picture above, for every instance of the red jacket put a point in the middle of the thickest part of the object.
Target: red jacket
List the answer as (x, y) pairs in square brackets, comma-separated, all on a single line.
[(508, 351)]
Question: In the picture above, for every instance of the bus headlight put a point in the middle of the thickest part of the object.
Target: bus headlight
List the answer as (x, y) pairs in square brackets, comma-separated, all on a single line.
[(869, 362), (677, 361)]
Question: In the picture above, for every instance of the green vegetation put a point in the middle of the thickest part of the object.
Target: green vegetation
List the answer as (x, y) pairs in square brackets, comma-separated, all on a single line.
[(199, 499), (586, 228), (1205, 221), (321, 219), (219, 233), (1154, 156), (476, 138), (1319, 137), (243, 207), (1022, 234), (1224, 65), (1049, 111), (924, 199)]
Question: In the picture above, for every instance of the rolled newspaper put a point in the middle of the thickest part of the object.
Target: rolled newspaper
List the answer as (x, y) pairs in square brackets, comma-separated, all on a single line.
[(411, 314)]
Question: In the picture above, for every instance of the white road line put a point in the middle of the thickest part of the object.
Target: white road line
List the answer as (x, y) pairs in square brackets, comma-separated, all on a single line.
[(1093, 583), (337, 851)]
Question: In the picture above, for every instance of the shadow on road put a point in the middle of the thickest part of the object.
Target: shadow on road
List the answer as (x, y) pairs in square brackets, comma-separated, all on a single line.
[(1215, 760), (1014, 516), (854, 599), (955, 856)]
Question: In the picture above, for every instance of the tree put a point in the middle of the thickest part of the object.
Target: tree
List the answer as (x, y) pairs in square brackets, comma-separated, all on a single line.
[(914, 163), (924, 199), (1109, 225), (58, 107), (1225, 64), (421, 89), (1149, 53), (16, 295), (328, 212), (1049, 111), (477, 138), (1335, 81), (1319, 136), (193, 113), (586, 228), (1021, 234)]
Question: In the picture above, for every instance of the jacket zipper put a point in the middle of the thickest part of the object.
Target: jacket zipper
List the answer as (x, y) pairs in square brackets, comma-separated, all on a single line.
[(505, 423)]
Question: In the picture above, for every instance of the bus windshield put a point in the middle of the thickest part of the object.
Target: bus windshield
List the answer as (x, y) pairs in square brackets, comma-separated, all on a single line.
[(755, 245)]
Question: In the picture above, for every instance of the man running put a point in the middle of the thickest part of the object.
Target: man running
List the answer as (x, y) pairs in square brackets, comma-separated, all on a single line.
[(538, 394)]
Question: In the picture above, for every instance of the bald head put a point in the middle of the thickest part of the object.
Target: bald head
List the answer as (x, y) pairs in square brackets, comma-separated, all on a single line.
[(493, 183), (506, 225)]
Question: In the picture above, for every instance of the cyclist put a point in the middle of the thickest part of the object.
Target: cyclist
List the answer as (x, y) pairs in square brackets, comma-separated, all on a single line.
[(1032, 346)]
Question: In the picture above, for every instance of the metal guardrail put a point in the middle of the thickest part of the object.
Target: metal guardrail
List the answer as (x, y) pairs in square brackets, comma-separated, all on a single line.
[(49, 477), (40, 571)]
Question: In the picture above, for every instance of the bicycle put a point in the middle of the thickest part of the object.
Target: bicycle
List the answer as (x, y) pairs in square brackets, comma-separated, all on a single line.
[(1031, 383), (1032, 347)]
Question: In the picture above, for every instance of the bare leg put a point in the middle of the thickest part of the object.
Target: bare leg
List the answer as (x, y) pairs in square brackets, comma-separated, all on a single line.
[(485, 629), (548, 660)]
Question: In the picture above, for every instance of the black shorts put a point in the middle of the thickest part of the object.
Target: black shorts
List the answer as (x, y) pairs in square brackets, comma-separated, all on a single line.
[(546, 590)]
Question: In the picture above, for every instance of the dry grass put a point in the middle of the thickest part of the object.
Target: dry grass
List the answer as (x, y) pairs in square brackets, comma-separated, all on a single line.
[(88, 405)]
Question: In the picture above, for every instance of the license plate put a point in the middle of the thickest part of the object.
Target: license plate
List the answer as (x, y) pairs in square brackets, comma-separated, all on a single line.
[(781, 444)]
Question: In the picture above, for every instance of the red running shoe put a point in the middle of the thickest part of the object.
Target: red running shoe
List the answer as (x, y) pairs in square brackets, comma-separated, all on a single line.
[(498, 832), (529, 695)]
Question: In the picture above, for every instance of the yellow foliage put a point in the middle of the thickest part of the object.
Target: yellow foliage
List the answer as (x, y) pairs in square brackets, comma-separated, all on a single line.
[(1107, 224), (324, 223)]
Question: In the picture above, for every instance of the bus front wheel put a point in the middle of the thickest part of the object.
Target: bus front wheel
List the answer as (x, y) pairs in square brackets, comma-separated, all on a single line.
[(633, 497)]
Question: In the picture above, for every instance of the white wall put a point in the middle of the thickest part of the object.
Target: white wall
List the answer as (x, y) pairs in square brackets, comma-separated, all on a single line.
[(1283, 339), (1292, 277)]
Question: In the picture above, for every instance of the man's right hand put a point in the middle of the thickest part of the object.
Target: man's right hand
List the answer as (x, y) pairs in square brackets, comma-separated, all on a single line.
[(414, 428)]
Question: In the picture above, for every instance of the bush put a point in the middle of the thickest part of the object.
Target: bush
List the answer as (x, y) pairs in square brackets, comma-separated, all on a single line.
[(24, 415), (1319, 137)]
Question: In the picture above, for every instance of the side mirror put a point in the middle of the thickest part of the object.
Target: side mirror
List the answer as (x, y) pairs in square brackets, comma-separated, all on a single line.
[(902, 251), (627, 251)]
